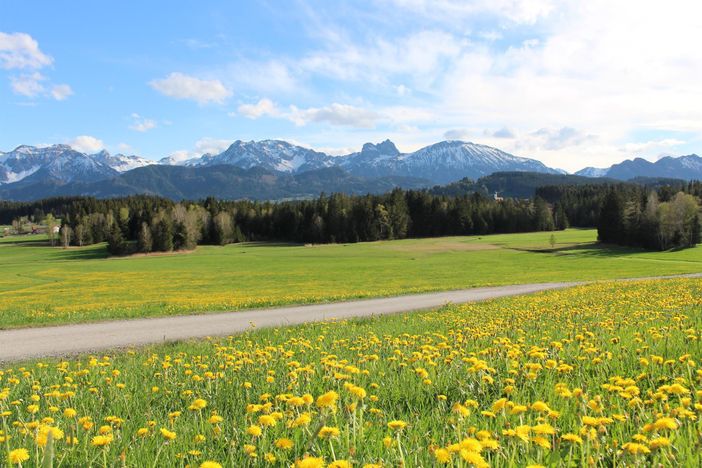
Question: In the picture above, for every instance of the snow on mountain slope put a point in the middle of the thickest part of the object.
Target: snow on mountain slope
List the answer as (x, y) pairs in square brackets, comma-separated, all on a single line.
[(57, 162), (275, 155), (121, 162), (592, 172), (442, 162), (684, 167)]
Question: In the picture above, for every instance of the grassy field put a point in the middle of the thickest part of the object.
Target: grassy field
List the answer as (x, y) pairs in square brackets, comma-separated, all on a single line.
[(599, 375), (43, 285)]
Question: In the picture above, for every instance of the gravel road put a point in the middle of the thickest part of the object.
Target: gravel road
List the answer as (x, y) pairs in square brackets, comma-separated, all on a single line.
[(65, 340)]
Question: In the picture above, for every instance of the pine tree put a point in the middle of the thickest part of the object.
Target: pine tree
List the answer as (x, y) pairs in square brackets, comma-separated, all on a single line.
[(560, 218), (116, 244), (611, 224), (163, 235)]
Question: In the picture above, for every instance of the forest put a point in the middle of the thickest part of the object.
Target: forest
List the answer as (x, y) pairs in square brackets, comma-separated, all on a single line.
[(624, 213), (632, 214), (145, 223)]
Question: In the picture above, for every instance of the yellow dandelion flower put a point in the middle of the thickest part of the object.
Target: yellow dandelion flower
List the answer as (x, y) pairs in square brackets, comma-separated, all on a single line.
[(254, 431), (198, 404), (310, 462), (168, 435), (101, 440), (210, 464), (635, 448), (572, 438), (327, 400), (18, 456), (397, 425), (442, 455), (327, 432), (283, 443)]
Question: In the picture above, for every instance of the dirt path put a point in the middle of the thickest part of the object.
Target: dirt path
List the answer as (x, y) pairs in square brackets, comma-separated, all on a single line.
[(28, 343), (64, 340)]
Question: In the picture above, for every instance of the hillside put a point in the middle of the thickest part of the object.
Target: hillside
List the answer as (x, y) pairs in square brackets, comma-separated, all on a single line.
[(225, 182)]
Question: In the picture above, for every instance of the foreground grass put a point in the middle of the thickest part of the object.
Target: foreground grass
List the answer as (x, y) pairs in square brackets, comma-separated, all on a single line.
[(603, 375), (40, 285)]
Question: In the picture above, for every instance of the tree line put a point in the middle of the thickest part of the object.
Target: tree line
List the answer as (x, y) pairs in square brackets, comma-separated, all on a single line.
[(661, 217), (634, 215), (147, 223)]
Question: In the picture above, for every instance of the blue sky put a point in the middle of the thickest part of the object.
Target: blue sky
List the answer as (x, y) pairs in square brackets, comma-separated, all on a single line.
[(573, 84)]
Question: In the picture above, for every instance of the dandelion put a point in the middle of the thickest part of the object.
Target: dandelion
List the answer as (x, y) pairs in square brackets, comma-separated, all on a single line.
[(210, 464), (665, 424), (284, 444), (474, 458), (543, 429), (327, 432), (254, 431), (659, 443), (310, 462), (17, 456), (327, 400), (572, 438), (215, 419), (442, 455), (101, 440), (168, 435), (636, 448), (397, 425), (198, 404)]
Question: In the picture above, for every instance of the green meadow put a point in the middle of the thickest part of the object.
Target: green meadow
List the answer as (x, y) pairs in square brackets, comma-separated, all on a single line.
[(600, 375), (41, 285)]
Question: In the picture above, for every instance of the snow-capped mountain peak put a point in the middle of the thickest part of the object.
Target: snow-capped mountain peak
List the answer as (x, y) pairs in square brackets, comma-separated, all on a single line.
[(275, 155), (121, 162), (684, 167), (441, 162), (62, 164)]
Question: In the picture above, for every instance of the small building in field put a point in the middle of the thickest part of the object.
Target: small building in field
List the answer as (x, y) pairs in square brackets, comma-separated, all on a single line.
[(56, 229), (498, 198)]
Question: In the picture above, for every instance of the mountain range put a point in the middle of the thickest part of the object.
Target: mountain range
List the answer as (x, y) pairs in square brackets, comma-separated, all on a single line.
[(277, 169), (684, 167)]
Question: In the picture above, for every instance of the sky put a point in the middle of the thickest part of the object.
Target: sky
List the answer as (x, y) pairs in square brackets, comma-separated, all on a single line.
[(571, 83)]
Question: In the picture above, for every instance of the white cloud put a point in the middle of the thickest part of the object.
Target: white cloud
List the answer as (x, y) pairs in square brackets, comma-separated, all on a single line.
[(651, 146), (28, 85), (554, 138), (86, 144), (32, 85), (197, 44), (335, 150), (420, 56), (263, 107), (20, 50), (141, 124), (516, 11), (335, 114), (211, 145), (61, 91), (180, 156), (403, 90), (263, 77), (202, 146), (182, 86), (504, 132), (124, 147)]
